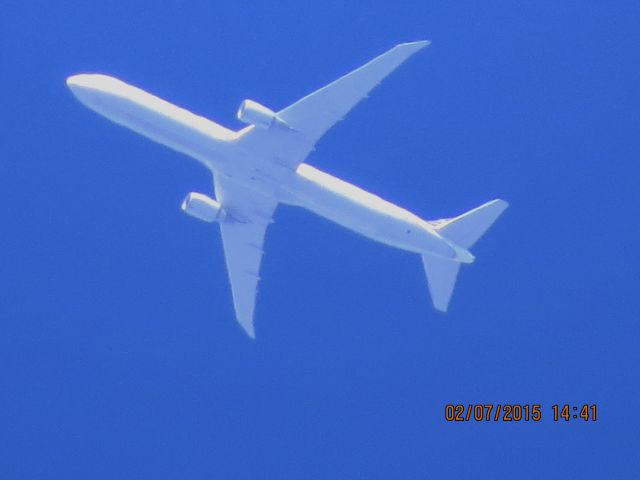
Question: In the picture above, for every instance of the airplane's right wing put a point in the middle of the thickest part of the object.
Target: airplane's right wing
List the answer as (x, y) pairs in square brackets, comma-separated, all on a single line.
[(249, 214)]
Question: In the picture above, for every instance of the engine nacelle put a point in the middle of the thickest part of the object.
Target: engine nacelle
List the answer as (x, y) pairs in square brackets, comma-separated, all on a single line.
[(255, 114), (202, 207)]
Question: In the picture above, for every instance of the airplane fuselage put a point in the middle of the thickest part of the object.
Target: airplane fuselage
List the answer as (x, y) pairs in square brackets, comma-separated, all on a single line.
[(222, 151)]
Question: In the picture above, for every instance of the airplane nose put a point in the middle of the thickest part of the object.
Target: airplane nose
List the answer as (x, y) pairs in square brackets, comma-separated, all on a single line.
[(90, 89), (94, 81), (73, 80), (81, 89), (78, 85), (79, 81)]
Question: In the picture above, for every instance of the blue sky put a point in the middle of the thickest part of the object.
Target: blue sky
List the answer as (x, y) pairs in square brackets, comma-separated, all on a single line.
[(119, 356)]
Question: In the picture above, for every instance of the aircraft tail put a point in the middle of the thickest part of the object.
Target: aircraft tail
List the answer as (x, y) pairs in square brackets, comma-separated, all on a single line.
[(464, 230), (441, 276)]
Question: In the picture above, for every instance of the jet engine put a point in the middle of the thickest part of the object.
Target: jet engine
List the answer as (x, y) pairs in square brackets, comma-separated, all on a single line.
[(255, 114), (202, 207)]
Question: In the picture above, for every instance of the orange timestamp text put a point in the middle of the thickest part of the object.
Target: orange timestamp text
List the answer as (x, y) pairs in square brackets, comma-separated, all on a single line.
[(516, 412)]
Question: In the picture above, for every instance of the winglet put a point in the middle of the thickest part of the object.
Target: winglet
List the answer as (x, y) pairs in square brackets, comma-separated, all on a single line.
[(418, 44)]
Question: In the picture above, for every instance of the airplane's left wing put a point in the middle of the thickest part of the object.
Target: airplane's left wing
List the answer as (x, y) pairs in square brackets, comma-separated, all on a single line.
[(248, 216), (309, 118), (316, 113)]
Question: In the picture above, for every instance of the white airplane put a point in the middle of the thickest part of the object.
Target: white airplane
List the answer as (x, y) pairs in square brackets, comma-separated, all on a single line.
[(262, 165)]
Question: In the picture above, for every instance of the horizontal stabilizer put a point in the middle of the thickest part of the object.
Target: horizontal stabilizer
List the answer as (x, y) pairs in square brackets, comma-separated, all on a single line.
[(441, 276), (466, 229)]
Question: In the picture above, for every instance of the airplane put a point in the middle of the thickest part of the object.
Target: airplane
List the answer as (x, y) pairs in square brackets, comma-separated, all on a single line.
[(263, 165)]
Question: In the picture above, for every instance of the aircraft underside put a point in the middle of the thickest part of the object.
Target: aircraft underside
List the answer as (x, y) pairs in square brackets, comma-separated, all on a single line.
[(261, 166)]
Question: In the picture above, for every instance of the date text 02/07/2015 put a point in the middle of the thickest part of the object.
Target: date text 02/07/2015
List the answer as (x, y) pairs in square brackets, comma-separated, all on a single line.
[(514, 412)]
